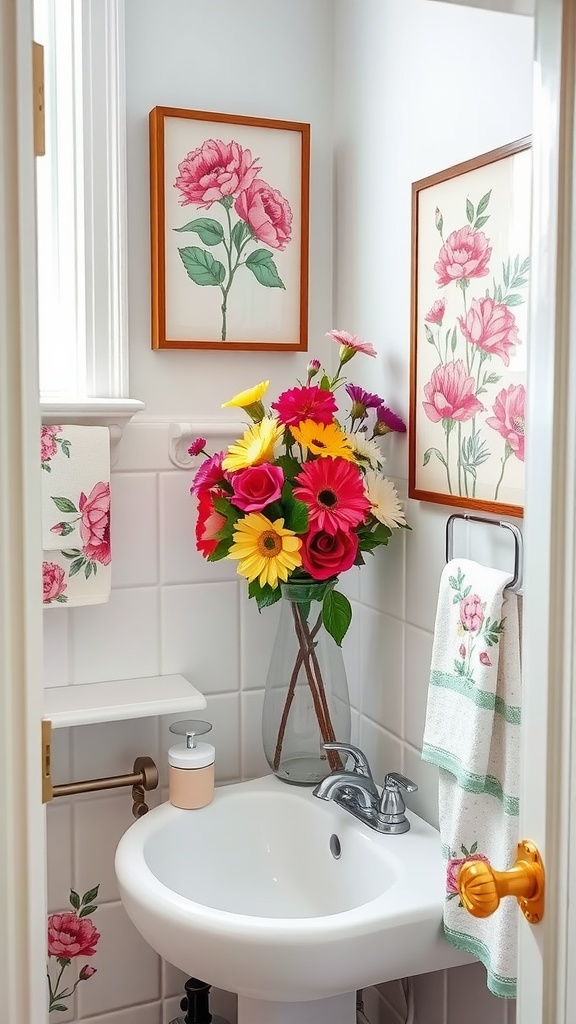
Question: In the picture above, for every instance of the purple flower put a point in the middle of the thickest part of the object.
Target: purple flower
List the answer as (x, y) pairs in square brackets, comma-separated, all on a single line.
[(361, 401), (198, 445), (387, 421), (313, 368)]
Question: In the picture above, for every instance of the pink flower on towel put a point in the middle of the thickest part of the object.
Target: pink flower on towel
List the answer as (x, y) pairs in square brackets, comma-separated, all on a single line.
[(48, 446), (453, 869), (53, 583), (484, 658), (95, 524), (472, 613)]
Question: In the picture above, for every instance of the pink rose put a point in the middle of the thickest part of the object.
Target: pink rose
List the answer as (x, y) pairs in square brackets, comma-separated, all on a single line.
[(450, 394), (436, 313), (492, 327), (327, 554), (215, 170), (257, 486), (453, 869), (86, 972), (95, 523), (462, 651), (508, 417), (53, 585), (70, 936), (472, 613), (48, 446), (484, 658), (465, 254), (267, 213)]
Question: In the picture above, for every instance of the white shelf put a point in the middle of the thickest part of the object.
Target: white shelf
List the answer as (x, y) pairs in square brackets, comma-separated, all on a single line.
[(121, 699)]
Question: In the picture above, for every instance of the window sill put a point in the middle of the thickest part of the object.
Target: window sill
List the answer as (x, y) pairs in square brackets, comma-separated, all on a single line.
[(114, 413)]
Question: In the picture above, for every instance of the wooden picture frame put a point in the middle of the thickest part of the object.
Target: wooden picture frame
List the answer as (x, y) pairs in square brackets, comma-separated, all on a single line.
[(470, 266), (229, 231)]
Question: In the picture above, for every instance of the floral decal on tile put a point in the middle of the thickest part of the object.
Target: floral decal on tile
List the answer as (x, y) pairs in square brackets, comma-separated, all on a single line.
[(71, 938), (454, 865), (49, 442), (475, 630)]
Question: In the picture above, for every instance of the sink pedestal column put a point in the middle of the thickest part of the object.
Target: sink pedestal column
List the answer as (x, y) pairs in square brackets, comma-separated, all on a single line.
[(335, 1010)]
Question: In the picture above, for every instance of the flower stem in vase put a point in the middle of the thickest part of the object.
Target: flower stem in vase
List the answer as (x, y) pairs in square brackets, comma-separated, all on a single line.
[(290, 696), (318, 692)]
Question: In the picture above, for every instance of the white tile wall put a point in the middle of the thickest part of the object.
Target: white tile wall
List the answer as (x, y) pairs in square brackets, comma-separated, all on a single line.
[(172, 612)]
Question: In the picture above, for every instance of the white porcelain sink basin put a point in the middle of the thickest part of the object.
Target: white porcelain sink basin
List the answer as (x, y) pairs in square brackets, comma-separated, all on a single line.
[(248, 895)]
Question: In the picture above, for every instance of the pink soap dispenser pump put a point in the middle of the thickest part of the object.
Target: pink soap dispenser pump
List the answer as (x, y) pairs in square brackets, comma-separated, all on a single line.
[(191, 767)]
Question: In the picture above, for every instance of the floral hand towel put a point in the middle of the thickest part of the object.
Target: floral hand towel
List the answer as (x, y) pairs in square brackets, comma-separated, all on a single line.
[(472, 733), (76, 567)]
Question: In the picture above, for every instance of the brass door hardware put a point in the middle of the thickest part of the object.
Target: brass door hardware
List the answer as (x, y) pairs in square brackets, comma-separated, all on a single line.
[(481, 887), (46, 761), (39, 119)]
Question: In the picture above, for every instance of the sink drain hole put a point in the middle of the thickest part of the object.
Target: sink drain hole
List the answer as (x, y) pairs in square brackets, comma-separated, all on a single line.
[(335, 847)]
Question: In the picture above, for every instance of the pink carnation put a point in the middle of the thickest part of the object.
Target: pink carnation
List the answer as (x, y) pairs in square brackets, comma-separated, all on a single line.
[(492, 327), (353, 342), (267, 213), (436, 313), (450, 394), (465, 254), (509, 417), (214, 171)]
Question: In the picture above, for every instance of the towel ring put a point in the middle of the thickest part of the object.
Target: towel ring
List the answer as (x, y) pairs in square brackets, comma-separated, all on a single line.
[(516, 581)]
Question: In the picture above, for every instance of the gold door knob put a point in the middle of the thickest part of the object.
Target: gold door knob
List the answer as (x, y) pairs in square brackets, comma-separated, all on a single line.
[(481, 887)]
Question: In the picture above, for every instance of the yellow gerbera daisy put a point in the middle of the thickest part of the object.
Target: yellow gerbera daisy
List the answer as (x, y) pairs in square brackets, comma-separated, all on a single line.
[(264, 549), (256, 447), (250, 401), (323, 439)]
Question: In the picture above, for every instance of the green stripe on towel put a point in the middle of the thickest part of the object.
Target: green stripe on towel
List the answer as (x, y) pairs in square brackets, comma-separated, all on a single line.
[(500, 986), (484, 699), (468, 781)]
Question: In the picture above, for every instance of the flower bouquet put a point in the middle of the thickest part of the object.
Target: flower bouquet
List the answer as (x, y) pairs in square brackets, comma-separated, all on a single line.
[(298, 500)]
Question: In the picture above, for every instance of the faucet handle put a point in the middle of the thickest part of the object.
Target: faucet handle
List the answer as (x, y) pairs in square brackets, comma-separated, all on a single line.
[(394, 779), (360, 766), (392, 802)]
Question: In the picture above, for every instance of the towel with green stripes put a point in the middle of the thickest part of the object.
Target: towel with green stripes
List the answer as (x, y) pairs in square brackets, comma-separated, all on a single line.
[(472, 733)]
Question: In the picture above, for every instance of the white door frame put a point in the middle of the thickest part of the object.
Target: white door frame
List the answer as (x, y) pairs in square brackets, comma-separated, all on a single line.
[(22, 842)]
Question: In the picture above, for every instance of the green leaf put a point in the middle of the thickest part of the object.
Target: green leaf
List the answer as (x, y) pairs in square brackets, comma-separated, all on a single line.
[(74, 899), (290, 466), (221, 550), (240, 232), (71, 553), (90, 896), (262, 265), (201, 266), (264, 596), (58, 1006), (429, 335), (86, 911), (76, 566), (325, 384), (210, 231), (46, 467), (336, 615), (512, 300), (433, 451), (64, 504), (464, 850), (480, 222), (65, 446), (492, 378), (453, 342), (296, 517), (469, 211), (88, 570), (474, 847), (506, 273), (483, 203)]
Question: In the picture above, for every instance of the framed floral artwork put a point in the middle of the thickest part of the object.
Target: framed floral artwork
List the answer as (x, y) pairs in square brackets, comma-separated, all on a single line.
[(470, 274), (229, 231)]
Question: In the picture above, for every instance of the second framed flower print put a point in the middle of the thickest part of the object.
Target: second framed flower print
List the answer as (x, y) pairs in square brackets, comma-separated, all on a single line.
[(470, 274), (229, 224)]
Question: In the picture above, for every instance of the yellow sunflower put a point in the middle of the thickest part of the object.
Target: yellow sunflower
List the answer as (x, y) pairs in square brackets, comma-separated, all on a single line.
[(256, 446), (250, 401), (264, 549), (324, 439)]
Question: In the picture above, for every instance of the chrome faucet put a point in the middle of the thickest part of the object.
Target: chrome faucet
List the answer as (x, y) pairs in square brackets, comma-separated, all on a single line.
[(356, 792)]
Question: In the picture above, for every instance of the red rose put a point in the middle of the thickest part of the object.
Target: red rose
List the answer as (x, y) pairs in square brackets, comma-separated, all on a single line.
[(327, 554), (70, 936)]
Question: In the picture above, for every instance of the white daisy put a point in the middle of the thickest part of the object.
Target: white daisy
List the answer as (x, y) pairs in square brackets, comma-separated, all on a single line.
[(383, 497), (366, 452)]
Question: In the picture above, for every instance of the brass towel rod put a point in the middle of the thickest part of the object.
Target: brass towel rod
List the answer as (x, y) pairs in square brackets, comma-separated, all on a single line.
[(144, 777)]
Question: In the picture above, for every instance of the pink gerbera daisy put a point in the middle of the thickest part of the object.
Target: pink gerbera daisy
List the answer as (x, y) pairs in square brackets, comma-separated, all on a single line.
[(334, 492), (352, 341), (307, 403), (210, 474)]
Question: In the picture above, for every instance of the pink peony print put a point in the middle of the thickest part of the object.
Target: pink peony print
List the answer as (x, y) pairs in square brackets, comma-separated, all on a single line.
[(508, 417), (215, 170), (450, 394), (266, 212), (492, 327), (436, 314), (95, 523), (48, 446), (485, 658), (70, 936), (472, 613), (453, 869), (53, 582), (465, 254)]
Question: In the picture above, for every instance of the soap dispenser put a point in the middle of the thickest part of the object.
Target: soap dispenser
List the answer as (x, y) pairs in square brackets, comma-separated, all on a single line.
[(191, 767), (196, 1003)]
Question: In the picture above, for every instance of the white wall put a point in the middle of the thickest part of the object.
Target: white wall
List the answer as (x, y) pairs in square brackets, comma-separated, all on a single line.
[(263, 58), (426, 85)]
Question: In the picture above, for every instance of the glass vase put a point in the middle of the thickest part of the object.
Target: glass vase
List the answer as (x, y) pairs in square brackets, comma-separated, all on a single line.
[(306, 702)]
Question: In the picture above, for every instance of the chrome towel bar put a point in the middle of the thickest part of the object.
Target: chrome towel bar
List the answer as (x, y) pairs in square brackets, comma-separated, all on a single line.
[(516, 581)]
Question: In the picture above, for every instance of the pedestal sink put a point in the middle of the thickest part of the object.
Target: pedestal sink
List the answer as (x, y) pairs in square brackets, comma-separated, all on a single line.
[(285, 899)]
